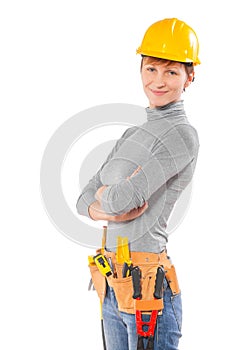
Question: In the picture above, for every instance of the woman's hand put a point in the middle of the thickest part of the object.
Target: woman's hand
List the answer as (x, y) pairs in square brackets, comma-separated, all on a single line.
[(132, 214), (97, 213), (135, 172), (99, 192)]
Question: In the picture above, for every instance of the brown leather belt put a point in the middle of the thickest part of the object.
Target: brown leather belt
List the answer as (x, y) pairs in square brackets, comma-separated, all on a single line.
[(141, 258)]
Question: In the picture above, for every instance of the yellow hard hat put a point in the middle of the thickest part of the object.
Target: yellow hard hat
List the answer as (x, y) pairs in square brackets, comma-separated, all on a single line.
[(171, 39)]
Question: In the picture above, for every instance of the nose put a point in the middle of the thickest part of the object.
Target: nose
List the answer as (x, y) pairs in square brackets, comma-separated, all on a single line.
[(159, 81)]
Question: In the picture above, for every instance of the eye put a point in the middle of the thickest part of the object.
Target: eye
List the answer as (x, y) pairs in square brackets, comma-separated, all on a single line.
[(172, 72), (150, 69)]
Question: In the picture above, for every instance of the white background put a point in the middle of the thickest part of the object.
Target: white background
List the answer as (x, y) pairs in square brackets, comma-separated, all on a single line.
[(57, 59)]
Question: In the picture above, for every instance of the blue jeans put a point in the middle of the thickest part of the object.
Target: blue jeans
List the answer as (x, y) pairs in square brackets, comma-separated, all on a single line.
[(120, 327)]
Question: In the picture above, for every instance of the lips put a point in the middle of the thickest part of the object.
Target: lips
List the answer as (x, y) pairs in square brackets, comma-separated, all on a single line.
[(158, 92)]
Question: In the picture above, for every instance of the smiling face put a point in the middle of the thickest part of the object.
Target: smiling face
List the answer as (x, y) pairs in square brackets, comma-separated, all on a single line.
[(164, 81)]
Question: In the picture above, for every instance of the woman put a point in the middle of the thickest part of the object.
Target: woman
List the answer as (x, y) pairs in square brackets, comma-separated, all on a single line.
[(137, 187)]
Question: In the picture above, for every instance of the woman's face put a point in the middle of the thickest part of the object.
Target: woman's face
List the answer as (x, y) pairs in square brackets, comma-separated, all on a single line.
[(163, 83)]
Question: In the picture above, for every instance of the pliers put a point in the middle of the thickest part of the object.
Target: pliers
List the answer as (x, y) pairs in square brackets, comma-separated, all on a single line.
[(151, 324)]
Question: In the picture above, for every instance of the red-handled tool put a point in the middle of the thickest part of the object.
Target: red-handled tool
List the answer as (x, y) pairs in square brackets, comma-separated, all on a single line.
[(151, 324)]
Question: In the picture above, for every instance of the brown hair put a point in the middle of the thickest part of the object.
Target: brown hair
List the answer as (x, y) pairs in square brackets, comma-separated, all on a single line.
[(189, 68)]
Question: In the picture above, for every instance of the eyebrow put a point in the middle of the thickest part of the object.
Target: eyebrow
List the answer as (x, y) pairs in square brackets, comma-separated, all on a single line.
[(171, 66)]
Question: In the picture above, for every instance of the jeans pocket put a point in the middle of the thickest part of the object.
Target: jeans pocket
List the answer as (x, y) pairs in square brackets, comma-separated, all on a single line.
[(177, 309)]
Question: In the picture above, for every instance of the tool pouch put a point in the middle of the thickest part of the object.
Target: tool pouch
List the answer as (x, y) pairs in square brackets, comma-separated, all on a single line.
[(99, 281), (123, 288), (148, 264), (172, 280)]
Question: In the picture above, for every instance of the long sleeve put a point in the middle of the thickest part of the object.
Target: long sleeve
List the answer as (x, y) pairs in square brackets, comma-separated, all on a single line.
[(87, 197), (177, 150)]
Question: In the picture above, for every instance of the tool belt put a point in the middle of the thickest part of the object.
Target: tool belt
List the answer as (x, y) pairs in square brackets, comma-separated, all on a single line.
[(148, 264)]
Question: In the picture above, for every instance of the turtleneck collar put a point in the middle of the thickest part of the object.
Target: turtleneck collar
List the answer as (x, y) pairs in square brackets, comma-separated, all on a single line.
[(170, 110)]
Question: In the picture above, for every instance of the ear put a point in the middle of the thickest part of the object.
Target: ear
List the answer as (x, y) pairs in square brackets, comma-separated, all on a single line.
[(189, 80)]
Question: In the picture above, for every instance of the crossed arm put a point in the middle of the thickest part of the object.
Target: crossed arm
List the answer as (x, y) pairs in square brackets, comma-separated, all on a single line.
[(96, 212), (126, 200)]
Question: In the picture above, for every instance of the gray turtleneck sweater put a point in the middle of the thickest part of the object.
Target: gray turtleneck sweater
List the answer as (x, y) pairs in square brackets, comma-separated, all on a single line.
[(166, 148)]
